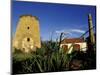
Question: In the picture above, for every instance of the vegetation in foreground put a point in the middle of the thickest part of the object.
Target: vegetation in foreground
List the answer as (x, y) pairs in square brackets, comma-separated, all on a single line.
[(50, 59)]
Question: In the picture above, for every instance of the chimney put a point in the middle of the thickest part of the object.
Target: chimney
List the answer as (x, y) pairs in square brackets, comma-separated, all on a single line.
[(91, 32)]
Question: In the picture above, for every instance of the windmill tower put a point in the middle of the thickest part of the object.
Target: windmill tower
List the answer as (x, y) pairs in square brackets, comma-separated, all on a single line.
[(27, 35)]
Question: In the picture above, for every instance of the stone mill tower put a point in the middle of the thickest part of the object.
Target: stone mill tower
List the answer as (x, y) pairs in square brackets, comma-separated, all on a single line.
[(27, 35)]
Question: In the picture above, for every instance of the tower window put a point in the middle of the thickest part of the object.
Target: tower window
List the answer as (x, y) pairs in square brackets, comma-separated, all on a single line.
[(28, 39), (28, 27), (76, 47), (65, 47)]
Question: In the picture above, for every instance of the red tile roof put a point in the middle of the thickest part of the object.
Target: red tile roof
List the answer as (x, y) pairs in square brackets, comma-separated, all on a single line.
[(72, 40)]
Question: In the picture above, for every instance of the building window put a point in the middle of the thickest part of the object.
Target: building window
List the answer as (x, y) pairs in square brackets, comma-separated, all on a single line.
[(28, 39), (76, 47), (65, 48)]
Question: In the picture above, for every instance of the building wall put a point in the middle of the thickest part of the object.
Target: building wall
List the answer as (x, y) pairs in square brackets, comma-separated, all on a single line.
[(27, 36), (83, 46)]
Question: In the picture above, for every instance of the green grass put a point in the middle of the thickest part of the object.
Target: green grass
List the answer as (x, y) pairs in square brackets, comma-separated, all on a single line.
[(22, 56), (44, 60), (50, 59)]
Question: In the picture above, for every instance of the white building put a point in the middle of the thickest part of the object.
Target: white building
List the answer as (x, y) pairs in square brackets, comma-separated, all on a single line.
[(71, 44)]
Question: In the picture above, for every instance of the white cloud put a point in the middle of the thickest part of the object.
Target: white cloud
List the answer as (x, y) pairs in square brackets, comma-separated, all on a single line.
[(59, 31), (70, 31), (77, 30), (64, 31)]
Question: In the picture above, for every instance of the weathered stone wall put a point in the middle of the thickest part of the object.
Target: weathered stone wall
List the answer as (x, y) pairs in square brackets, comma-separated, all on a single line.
[(27, 36)]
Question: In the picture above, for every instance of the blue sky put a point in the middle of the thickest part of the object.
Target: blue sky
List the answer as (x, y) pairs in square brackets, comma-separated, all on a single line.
[(55, 18)]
